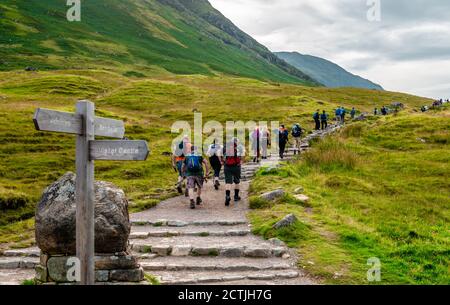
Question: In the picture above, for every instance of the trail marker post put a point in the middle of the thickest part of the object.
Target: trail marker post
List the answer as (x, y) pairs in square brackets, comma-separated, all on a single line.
[(86, 126)]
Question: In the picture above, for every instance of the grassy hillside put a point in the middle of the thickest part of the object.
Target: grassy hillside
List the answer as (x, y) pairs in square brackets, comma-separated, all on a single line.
[(380, 189), (136, 38), (32, 160), (326, 72)]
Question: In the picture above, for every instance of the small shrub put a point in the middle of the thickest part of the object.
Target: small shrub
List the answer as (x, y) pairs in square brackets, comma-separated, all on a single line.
[(134, 74), (258, 203), (331, 154), (12, 200), (354, 131)]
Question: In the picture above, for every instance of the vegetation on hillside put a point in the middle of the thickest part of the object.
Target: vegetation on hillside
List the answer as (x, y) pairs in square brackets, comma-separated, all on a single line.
[(136, 38), (381, 189), (31, 160)]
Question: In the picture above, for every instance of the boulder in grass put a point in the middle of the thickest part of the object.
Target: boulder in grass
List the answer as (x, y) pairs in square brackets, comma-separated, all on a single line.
[(56, 223), (273, 195), (285, 222)]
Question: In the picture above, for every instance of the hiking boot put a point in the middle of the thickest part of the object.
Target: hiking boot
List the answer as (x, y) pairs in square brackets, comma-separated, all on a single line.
[(227, 201), (192, 204), (237, 198), (179, 189), (199, 201), (216, 185)]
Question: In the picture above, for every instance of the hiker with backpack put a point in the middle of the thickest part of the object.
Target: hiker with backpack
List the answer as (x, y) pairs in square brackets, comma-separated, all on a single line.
[(324, 120), (283, 139), (256, 144), (265, 142), (375, 111), (353, 113), (215, 154), (297, 132), (233, 152), (338, 115), (316, 117), (343, 114), (193, 170), (179, 155), (384, 111)]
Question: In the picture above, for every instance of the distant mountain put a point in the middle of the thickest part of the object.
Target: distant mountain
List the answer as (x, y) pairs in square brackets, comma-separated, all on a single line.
[(136, 37), (326, 72)]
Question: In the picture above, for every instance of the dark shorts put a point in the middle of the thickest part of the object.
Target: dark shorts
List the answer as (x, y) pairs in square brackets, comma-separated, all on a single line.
[(194, 181), (216, 165), (232, 174)]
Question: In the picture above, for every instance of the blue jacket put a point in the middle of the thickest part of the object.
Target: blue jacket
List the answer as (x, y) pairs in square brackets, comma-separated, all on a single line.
[(338, 111)]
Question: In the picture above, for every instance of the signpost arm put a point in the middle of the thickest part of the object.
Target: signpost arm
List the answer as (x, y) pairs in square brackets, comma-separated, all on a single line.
[(84, 194)]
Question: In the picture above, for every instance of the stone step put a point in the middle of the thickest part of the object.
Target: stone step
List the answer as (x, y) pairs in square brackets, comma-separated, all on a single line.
[(15, 276), (201, 278), (144, 232), (26, 252), (170, 263), (179, 223), (229, 246), (18, 262)]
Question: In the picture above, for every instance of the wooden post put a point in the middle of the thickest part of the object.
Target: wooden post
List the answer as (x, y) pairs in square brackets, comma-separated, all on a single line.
[(84, 194)]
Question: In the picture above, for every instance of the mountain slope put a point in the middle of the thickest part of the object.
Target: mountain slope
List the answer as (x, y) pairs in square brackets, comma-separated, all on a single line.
[(326, 72), (136, 37)]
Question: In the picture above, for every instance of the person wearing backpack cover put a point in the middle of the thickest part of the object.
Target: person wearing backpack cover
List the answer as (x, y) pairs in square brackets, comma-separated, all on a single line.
[(316, 117), (233, 153), (283, 139), (297, 132), (179, 155), (193, 170), (324, 120), (215, 154)]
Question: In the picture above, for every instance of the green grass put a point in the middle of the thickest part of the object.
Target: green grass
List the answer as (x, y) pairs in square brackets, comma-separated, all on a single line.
[(376, 190), (141, 38), (32, 160)]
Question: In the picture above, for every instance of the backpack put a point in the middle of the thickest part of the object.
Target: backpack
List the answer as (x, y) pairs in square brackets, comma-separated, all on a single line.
[(179, 150), (194, 164), (316, 116), (296, 131), (234, 159)]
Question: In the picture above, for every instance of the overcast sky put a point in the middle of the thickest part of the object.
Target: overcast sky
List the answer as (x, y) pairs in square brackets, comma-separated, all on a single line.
[(408, 50)]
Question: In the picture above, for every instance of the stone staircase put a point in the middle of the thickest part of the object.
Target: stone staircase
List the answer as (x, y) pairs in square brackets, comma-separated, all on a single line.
[(212, 244)]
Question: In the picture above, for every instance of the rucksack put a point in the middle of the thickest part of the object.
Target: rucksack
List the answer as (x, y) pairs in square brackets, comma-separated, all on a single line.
[(296, 131), (316, 116), (234, 159), (179, 150), (194, 164)]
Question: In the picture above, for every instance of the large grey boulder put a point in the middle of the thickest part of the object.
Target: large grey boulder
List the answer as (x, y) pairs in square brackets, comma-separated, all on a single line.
[(56, 225)]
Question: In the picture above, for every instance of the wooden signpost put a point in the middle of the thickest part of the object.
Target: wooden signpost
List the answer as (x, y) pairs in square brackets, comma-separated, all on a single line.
[(86, 126)]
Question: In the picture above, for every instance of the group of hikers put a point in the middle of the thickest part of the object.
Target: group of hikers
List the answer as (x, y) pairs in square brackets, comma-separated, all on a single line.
[(193, 169), (321, 119), (436, 104), (383, 111)]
